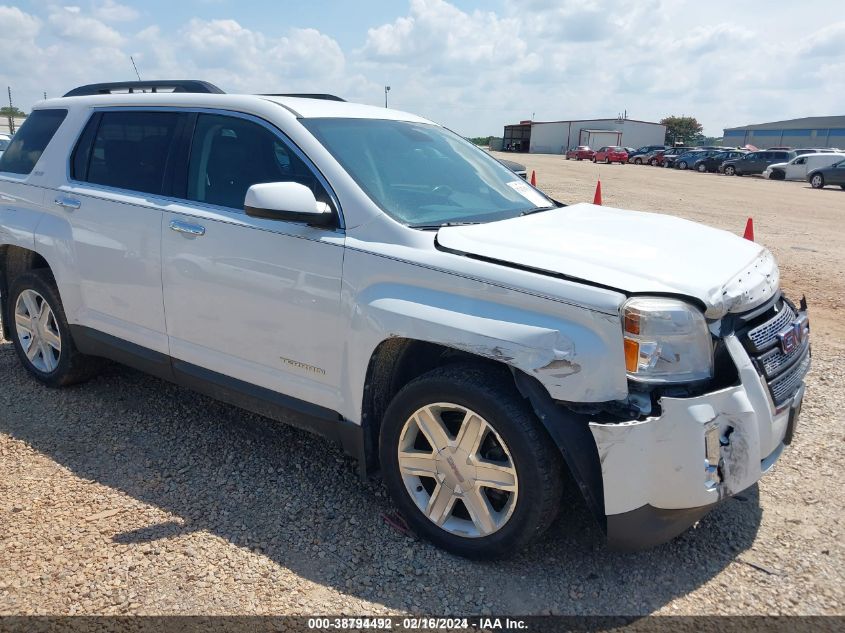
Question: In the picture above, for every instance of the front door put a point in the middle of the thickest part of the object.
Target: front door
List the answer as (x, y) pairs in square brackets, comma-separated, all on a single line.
[(247, 298), (797, 169)]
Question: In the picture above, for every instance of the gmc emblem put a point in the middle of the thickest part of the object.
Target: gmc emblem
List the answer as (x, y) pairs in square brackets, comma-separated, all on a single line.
[(793, 336)]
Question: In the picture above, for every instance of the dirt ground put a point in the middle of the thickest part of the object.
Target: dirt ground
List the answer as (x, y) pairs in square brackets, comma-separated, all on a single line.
[(130, 495)]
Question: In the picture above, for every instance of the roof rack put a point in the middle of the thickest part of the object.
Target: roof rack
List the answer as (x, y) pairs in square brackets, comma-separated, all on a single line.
[(307, 95), (176, 85)]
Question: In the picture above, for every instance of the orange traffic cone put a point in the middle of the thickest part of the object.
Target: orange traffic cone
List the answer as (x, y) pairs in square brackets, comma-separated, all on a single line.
[(533, 178), (597, 197), (749, 230)]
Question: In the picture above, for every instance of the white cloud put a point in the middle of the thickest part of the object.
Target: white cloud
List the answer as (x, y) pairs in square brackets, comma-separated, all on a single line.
[(826, 42), (473, 70), (72, 25), (111, 11)]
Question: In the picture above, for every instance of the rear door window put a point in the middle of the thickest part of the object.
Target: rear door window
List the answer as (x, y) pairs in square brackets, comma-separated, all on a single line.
[(31, 140), (129, 150)]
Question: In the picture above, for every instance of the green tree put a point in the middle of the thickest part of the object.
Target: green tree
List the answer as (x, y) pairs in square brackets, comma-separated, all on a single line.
[(480, 140), (7, 112), (684, 129)]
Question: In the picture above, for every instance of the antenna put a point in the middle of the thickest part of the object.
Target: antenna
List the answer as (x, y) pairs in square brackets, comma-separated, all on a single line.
[(135, 67)]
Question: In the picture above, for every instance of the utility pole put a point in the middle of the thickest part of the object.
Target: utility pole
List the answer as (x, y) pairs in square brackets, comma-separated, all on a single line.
[(11, 113), (386, 90)]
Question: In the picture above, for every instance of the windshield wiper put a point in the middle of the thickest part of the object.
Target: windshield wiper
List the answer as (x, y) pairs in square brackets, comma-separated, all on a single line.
[(431, 227)]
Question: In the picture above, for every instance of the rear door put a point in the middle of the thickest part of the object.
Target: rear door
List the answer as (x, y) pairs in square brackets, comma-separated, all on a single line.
[(113, 201)]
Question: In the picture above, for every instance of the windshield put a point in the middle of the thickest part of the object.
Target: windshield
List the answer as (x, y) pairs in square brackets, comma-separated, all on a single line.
[(423, 175)]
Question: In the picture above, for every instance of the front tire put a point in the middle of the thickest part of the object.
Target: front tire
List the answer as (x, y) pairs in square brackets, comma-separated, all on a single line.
[(682, 165), (41, 335), (702, 168), (638, 161), (468, 464), (817, 181), (730, 170)]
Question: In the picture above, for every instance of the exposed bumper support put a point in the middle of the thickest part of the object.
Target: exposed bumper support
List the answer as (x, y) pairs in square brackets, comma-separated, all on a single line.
[(659, 475)]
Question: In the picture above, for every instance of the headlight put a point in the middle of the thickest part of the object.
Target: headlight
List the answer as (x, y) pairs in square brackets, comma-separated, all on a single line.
[(666, 341)]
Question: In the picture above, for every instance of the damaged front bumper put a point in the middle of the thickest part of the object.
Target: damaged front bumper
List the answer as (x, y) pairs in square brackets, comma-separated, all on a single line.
[(662, 474)]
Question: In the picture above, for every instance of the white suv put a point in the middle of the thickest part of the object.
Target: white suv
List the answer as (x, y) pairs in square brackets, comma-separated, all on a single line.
[(371, 276)]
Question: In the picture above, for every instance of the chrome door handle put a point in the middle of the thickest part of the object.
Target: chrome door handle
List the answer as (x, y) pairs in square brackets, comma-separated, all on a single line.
[(67, 203), (194, 230)]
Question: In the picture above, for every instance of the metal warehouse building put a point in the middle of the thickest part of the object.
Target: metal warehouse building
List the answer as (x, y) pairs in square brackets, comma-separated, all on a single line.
[(814, 131), (555, 137)]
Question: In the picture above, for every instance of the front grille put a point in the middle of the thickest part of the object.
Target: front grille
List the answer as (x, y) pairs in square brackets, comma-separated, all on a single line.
[(785, 385), (766, 335), (782, 371), (774, 360)]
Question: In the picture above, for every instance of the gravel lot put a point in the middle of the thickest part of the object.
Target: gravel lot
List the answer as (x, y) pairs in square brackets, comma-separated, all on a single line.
[(130, 495)]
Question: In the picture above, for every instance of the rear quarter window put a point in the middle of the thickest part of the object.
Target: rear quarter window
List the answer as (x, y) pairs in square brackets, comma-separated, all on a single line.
[(31, 140)]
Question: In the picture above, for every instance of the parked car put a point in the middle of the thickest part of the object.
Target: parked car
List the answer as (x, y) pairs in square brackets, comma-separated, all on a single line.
[(611, 154), (637, 157), (687, 158), (656, 158), (518, 168), (799, 167), (830, 175), (582, 152), (711, 162), (753, 162), (441, 319)]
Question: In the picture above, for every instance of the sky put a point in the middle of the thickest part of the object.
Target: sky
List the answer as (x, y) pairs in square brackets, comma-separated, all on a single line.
[(471, 65)]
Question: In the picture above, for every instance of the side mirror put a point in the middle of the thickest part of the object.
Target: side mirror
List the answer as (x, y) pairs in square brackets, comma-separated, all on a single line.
[(287, 201)]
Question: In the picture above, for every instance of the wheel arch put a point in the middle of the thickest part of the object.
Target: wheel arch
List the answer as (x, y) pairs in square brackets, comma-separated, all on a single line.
[(397, 361), (14, 261)]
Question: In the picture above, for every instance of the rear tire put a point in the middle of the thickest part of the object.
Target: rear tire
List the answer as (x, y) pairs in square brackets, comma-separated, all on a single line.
[(817, 181), (653, 162), (476, 406), (41, 335)]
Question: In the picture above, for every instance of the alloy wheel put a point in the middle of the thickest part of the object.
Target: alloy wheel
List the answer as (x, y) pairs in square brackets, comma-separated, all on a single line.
[(458, 470), (38, 332)]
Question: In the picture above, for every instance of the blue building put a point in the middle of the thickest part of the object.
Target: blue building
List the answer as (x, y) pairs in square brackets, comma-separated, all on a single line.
[(814, 131)]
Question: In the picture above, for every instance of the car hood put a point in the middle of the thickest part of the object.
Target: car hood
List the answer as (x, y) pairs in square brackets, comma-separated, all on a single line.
[(630, 251)]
